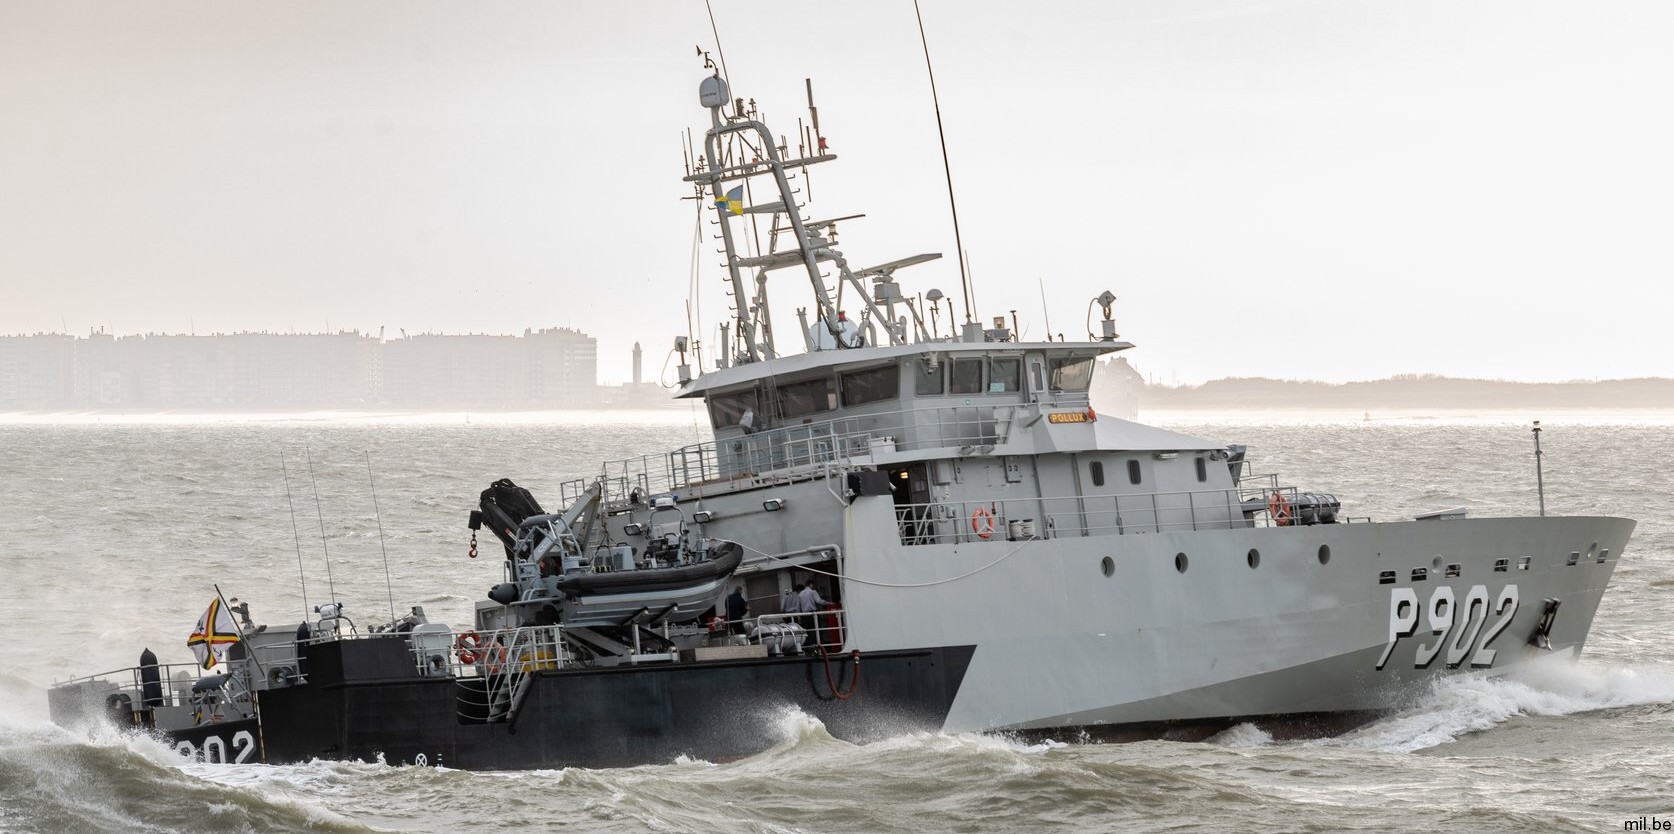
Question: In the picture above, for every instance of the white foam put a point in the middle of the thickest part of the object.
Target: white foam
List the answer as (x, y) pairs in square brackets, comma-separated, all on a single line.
[(1241, 735), (1458, 706)]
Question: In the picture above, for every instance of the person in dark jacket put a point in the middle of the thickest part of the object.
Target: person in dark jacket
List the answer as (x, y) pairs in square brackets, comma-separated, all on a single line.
[(737, 609)]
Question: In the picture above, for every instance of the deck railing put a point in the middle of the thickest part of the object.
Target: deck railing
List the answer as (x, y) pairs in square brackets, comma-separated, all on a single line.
[(813, 446), (1016, 519)]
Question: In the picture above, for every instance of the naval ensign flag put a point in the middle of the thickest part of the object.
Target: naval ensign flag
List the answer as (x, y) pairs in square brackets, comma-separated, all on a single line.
[(215, 632)]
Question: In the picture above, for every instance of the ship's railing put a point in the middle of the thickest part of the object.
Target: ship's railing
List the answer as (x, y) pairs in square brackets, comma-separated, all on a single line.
[(813, 446), (1018, 519), (502, 666), (822, 630), (174, 680)]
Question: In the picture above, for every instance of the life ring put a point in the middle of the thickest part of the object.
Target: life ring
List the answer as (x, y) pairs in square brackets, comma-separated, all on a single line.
[(982, 523), (1278, 509), (468, 645)]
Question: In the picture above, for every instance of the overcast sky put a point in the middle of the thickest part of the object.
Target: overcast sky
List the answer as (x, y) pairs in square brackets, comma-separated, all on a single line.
[(1328, 190)]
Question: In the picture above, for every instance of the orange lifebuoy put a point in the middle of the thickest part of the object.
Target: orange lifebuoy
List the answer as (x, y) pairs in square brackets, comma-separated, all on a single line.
[(1278, 509), (982, 523), (468, 644)]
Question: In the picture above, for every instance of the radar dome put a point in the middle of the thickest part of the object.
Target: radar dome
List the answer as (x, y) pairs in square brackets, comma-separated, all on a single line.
[(713, 92)]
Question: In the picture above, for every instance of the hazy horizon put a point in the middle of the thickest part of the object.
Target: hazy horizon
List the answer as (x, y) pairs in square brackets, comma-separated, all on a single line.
[(1340, 191)]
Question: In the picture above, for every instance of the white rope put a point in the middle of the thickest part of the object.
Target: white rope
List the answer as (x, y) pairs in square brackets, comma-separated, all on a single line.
[(874, 583)]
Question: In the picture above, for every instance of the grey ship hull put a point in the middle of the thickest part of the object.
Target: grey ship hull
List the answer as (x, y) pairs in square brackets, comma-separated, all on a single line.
[(1060, 644)]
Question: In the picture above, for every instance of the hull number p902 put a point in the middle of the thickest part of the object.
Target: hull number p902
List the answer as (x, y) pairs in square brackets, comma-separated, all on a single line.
[(1446, 617)]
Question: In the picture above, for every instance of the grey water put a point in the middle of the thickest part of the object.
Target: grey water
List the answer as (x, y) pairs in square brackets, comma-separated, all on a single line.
[(113, 534)]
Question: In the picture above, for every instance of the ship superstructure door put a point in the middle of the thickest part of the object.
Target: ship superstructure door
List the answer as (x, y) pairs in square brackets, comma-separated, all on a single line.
[(910, 486), (1034, 377), (1061, 505)]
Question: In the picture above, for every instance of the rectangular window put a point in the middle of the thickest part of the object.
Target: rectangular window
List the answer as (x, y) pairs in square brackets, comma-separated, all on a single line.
[(727, 410), (1072, 374), (1133, 471), (1202, 470), (1097, 469), (873, 385), (967, 376), (929, 380), (802, 398), (1006, 375)]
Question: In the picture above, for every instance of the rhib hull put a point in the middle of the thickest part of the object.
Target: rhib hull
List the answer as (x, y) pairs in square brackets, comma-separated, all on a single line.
[(1240, 623)]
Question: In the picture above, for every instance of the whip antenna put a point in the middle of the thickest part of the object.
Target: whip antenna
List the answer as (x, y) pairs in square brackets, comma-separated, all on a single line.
[(331, 586), (964, 276), (295, 533), (381, 546), (719, 50)]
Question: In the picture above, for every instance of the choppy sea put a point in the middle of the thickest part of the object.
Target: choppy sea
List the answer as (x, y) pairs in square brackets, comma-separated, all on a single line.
[(114, 530)]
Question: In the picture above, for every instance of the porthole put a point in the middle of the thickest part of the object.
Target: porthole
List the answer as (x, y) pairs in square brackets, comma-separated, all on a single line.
[(1253, 558), (1592, 552), (1108, 566), (1324, 553), (1180, 561)]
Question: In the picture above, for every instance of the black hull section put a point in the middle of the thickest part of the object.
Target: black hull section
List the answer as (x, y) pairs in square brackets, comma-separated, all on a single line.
[(619, 716)]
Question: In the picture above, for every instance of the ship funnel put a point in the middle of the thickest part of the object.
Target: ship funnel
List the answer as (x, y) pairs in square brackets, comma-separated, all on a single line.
[(713, 92)]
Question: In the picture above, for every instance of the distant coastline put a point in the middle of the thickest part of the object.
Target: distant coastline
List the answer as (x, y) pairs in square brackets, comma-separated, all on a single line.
[(1409, 392)]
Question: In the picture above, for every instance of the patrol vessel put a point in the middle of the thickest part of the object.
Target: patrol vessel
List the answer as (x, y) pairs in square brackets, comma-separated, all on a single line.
[(998, 557)]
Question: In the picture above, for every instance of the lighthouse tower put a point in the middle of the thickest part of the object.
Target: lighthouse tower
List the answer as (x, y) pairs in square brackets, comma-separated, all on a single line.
[(638, 353)]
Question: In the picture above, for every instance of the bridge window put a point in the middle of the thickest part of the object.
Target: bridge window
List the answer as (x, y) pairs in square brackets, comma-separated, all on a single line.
[(1202, 470), (801, 398), (1006, 375), (929, 379), (870, 386), (967, 376), (1133, 471), (1097, 470), (727, 410), (1072, 374)]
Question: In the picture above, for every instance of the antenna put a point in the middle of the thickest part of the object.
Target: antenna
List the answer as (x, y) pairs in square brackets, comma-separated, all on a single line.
[(1045, 314), (295, 533), (331, 586), (1540, 479), (964, 277), (376, 513), (727, 76)]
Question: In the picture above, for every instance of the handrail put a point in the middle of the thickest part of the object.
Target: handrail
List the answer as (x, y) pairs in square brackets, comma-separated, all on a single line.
[(824, 633), (787, 450), (978, 520)]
